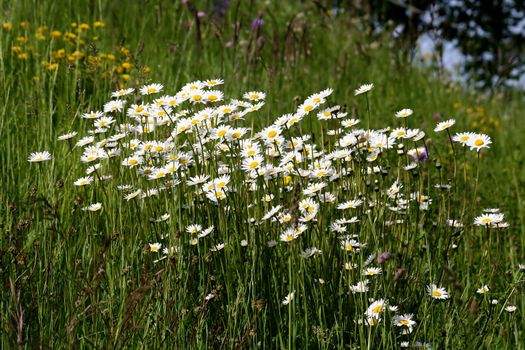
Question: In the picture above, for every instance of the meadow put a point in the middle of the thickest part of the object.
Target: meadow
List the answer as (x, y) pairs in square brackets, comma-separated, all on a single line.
[(195, 175)]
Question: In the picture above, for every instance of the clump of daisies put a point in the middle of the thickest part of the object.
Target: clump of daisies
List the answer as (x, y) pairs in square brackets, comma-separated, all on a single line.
[(339, 192)]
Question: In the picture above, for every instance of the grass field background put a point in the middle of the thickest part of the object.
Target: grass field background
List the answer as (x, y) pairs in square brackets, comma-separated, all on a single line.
[(74, 279)]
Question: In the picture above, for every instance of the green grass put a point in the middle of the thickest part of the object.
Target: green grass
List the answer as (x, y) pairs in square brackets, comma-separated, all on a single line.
[(76, 279)]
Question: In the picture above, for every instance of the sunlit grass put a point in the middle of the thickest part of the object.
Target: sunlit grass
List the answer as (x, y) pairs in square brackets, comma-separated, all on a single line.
[(237, 227)]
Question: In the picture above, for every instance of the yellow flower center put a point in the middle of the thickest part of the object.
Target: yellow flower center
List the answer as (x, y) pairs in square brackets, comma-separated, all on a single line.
[(133, 161), (479, 142), (151, 90), (308, 108), (197, 97), (436, 293), (221, 133), (377, 309), (272, 134)]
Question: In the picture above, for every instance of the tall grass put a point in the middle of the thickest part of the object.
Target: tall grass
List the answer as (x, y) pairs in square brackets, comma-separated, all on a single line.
[(75, 278)]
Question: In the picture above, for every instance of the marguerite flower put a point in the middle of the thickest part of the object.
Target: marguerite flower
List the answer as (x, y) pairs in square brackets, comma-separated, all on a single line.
[(270, 133), (361, 286), (252, 163), (154, 247), (67, 136), (84, 181), (37, 157), (289, 298), (92, 115), (511, 308), (254, 95), (363, 88), (488, 219), (444, 125), (483, 290), (372, 271), (151, 89), (404, 320), (197, 96), (122, 92), (375, 309), (404, 113), (479, 141), (194, 229), (309, 252), (132, 161), (113, 106), (350, 245), (197, 180), (93, 207), (214, 96), (437, 292), (351, 204), (218, 247), (213, 82), (463, 137), (104, 122), (289, 235)]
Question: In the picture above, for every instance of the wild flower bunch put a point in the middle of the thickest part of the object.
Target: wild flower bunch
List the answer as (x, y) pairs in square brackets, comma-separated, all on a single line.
[(61, 49), (338, 205)]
